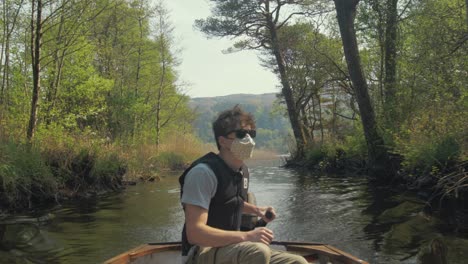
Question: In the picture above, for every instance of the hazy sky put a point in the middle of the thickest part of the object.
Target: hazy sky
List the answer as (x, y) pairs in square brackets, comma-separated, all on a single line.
[(208, 71)]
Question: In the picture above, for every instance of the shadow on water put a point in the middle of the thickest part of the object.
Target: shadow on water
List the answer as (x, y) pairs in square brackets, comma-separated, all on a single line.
[(90, 231), (373, 223), (27, 243)]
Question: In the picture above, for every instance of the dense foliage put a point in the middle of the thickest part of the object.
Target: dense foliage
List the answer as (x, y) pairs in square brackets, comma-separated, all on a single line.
[(106, 68), (86, 82)]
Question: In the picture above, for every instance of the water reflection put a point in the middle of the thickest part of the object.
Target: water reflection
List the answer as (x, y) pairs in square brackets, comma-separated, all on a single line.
[(374, 224), (143, 213), (27, 243)]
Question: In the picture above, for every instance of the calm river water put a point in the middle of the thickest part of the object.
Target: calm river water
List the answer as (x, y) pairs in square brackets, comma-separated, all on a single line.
[(342, 212)]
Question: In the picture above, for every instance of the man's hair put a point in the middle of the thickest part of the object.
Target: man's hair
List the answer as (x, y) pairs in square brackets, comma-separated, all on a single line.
[(229, 120)]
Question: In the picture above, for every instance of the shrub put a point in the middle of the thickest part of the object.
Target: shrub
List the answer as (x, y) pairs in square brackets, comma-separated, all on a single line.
[(434, 140), (170, 160), (447, 151), (24, 176), (354, 145), (86, 168), (314, 155), (108, 170), (430, 154)]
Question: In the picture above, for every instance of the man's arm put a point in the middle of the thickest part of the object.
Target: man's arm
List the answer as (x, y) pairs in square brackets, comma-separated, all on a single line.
[(199, 233)]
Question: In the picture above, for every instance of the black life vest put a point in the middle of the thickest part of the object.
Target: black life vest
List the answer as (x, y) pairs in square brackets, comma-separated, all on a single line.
[(226, 206)]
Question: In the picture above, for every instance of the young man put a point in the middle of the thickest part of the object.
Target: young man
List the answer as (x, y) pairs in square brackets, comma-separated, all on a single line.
[(213, 195)]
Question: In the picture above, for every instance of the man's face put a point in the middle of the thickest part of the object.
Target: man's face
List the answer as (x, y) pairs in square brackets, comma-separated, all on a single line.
[(226, 141), (242, 144)]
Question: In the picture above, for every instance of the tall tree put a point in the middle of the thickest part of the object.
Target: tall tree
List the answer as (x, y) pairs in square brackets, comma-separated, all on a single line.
[(379, 22), (466, 7), (64, 34), (256, 24), (36, 42), (163, 40), (63, 18), (116, 35), (346, 12), (313, 63), (390, 82), (11, 13), (143, 13), (169, 109)]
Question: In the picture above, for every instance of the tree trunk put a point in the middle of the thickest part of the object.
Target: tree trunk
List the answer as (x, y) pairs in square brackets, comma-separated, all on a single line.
[(317, 95), (375, 4), (162, 82), (314, 114), (9, 24), (36, 36), (305, 121), (333, 128), (159, 103), (6, 71), (4, 52), (137, 77), (346, 11), (293, 113), (466, 6), (390, 62), (56, 74)]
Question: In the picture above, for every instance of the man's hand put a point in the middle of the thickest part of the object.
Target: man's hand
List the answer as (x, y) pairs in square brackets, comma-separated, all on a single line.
[(262, 211), (260, 234)]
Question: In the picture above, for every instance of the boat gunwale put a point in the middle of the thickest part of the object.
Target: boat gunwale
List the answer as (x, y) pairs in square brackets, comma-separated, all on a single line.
[(311, 247)]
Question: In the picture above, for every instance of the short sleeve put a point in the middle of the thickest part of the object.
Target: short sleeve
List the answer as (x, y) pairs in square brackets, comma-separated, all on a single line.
[(200, 186)]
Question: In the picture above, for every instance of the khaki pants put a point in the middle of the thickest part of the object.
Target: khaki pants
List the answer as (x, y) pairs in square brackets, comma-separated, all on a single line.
[(245, 253)]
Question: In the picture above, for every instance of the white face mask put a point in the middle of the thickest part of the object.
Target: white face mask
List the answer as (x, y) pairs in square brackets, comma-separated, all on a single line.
[(243, 148)]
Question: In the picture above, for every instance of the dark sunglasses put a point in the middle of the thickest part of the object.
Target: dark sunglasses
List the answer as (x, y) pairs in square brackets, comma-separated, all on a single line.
[(241, 133)]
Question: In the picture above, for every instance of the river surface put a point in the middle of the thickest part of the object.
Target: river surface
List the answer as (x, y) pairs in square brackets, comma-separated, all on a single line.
[(343, 212)]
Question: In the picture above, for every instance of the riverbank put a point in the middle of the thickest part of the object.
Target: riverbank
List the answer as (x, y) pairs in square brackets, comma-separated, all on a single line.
[(41, 174), (37, 175)]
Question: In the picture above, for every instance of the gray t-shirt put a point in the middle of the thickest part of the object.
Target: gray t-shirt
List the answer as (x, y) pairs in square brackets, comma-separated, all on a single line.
[(200, 186)]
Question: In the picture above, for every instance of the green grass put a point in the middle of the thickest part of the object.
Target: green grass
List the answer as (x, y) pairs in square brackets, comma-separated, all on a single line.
[(36, 174), (25, 178)]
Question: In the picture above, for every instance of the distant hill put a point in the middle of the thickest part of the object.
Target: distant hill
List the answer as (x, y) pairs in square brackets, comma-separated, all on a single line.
[(272, 127), (233, 99)]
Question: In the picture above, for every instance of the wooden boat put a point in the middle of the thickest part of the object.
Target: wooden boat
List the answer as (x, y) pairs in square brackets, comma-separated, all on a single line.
[(162, 253)]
